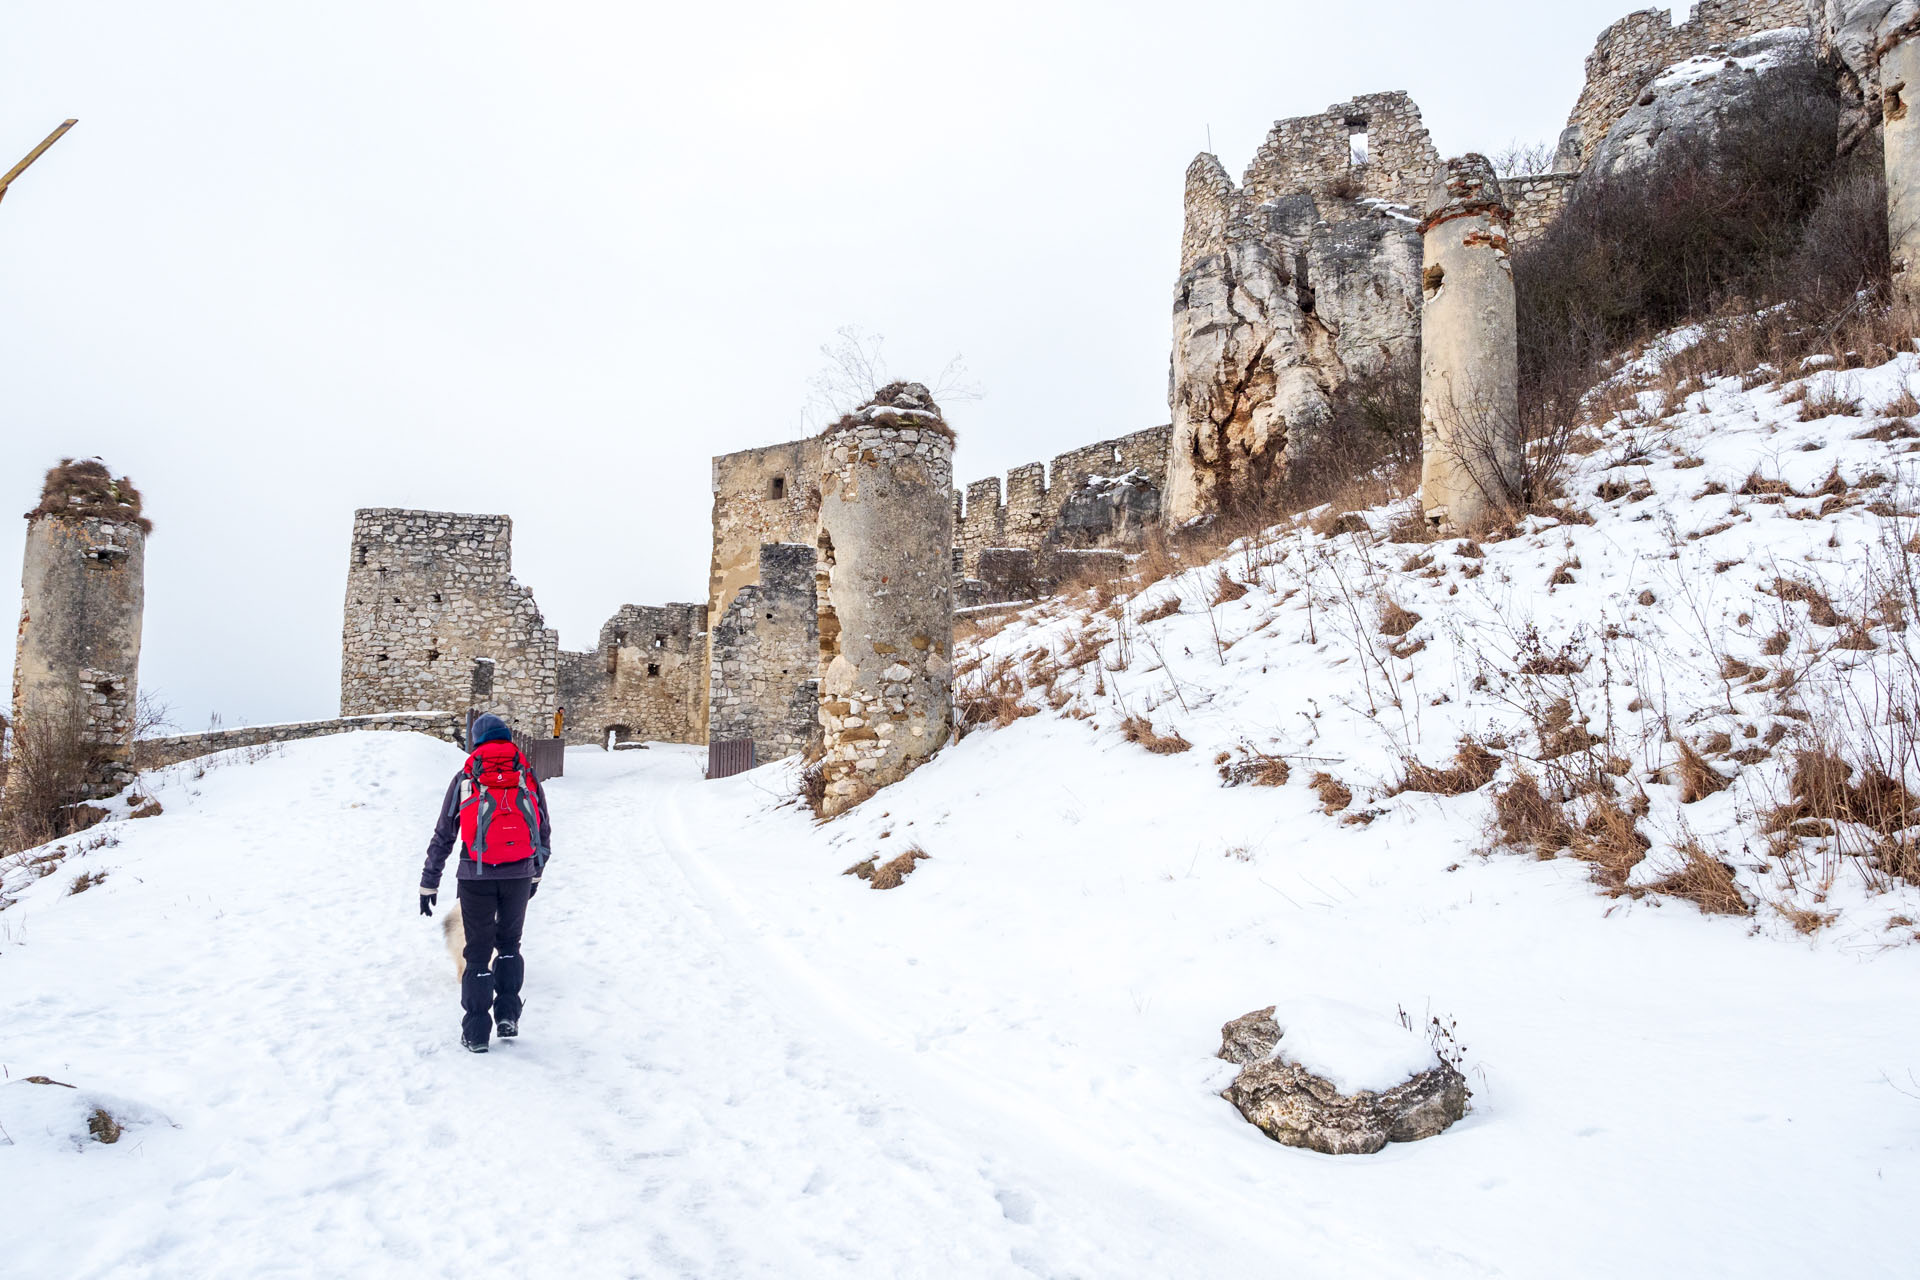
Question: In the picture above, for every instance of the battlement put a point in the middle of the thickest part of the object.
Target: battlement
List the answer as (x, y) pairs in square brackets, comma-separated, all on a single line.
[(1637, 48), (1034, 514)]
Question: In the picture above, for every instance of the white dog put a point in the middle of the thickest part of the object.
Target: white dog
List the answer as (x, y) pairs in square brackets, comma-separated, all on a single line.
[(455, 930)]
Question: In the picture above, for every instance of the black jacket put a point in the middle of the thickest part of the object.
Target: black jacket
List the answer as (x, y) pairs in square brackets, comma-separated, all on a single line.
[(446, 834)]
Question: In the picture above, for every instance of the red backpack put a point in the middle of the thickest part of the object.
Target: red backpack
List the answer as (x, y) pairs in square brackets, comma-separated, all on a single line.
[(499, 806)]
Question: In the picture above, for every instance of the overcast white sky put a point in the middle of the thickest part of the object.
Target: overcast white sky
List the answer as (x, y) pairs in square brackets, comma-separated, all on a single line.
[(548, 259)]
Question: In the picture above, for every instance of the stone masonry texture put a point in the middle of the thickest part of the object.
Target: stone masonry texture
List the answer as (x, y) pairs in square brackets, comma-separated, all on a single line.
[(884, 583), (77, 660), (436, 622), (643, 681), (766, 656)]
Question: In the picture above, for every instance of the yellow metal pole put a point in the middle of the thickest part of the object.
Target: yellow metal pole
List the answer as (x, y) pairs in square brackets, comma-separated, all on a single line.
[(33, 155)]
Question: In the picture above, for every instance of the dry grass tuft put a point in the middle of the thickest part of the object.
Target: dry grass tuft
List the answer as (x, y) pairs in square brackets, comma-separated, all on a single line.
[(1527, 819), (1705, 881), (1226, 590), (86, 489), (85, 881), (1253, 768), (890, 874), (1698, 779), (1610, 841), (1139, 730), (1165, 609), (1820, 608), (1395, 620), (1334, 794), (1473, 768)]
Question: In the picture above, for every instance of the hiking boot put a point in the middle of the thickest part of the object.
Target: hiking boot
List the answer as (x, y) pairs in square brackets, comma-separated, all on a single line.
[(473, 1046), (506, 1028)]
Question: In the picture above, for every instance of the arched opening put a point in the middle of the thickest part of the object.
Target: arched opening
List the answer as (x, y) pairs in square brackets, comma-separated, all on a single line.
[(615, 734)]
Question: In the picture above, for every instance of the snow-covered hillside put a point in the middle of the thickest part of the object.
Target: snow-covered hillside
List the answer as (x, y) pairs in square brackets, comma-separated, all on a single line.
[(737, 1060)]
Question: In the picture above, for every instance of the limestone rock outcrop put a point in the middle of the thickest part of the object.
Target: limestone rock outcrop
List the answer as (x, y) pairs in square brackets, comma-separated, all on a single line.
[(1691, 102), (1298, 1108), (1852, 36), (1301, 277)]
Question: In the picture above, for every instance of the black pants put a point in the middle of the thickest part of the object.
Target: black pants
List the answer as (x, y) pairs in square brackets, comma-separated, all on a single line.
[(492, 912)]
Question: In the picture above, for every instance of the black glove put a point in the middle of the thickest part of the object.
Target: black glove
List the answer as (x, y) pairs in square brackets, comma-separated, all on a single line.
[(426, 903), (533, 888)]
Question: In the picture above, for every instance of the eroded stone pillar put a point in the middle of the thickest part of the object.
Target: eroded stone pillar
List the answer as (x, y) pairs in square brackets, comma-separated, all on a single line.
[(1471, 447), (884, 581), (1899, 89), (82, 596)]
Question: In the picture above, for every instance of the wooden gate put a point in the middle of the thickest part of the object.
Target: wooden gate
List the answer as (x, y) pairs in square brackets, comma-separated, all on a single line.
[(724, 759)]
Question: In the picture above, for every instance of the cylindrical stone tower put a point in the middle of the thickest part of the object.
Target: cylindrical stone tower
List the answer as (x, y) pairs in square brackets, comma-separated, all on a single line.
[(1900, 88), (82, 592), (1471, 448), (884, 580)]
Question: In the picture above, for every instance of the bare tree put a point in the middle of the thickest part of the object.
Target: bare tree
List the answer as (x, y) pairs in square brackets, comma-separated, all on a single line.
[(1523, 159), (856, 367)]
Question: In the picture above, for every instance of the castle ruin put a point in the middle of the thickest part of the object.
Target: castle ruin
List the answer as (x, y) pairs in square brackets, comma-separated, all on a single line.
[(1304, 275), (76, 666)]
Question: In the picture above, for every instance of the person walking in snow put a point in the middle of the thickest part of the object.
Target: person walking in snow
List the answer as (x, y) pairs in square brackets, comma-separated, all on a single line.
[(497, 809)]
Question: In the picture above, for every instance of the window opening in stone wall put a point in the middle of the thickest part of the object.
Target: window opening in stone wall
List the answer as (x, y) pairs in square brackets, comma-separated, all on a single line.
[(779, 487), (362, 552), (1357, 141), (653, 669), (659, 641), (619, 636)]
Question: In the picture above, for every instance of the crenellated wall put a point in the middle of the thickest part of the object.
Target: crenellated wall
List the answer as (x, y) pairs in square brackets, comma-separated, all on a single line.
[(1067, 504)]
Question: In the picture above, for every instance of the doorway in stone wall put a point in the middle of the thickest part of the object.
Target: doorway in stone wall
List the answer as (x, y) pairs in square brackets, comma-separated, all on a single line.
[(616, 734)]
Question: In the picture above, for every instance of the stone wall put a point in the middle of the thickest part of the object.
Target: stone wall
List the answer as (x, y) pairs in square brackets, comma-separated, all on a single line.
[(435, 620), (157, 753), (771, 494), (1322, 156), (1100, 495), (766, 656), (643, 681), (1536, 200), (1631, 52)]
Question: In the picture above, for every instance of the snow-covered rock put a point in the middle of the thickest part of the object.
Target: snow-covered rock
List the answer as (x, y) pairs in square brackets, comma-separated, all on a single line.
[(1338, 1079), (1692, 101)]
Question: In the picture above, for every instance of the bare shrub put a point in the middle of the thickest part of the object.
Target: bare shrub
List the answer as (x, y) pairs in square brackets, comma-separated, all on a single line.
[(1611, 842), (46, 777)]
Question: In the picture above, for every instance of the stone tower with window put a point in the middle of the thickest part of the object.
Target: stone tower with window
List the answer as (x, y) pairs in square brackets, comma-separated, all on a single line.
[(82, 595)]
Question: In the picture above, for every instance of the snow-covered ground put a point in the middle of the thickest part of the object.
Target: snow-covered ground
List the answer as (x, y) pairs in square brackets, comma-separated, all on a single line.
[(738, 1061)]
